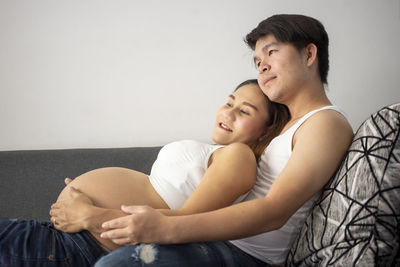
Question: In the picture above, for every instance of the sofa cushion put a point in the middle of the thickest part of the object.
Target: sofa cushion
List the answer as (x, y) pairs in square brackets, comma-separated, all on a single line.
[(356, 220), (30, 181)]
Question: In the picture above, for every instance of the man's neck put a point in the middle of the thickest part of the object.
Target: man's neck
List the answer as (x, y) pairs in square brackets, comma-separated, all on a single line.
[(309, 98)]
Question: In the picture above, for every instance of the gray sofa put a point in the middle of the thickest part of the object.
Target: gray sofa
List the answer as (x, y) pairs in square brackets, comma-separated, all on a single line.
[(354, 223)]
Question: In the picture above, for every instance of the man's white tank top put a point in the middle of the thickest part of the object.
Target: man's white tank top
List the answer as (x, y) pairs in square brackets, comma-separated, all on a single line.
[(272, 247)]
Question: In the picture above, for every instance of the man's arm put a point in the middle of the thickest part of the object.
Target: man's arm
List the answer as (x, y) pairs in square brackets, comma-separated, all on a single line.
[(318, 148)]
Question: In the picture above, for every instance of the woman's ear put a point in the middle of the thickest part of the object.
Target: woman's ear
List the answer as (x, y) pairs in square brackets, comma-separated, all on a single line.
[(263, 136), (311, 54)]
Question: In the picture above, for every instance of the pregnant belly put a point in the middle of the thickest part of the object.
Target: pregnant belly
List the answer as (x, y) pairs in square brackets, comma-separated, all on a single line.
[(112, 187)]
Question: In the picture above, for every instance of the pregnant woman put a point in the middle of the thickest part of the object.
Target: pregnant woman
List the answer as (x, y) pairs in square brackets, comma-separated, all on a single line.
[(187, 177)]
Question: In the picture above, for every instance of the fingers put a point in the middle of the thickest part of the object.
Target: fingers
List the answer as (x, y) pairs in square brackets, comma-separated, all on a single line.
[(120, 230), (128, 229), (54, 206), (124, 241), (53, 209), (67, 180), (56, 215), (73, 191), (130, 209), (120, 236), (124, 221), (57, 222), (114, 234), (115, 223)]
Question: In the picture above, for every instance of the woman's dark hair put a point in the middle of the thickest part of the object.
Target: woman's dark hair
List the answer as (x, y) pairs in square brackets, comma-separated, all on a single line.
[(278, 116), (298, 30)]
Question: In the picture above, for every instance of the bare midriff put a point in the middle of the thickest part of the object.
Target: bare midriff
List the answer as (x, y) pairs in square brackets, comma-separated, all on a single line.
[(112, 187)]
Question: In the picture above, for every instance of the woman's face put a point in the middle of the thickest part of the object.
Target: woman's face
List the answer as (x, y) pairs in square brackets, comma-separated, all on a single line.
[(242, 119)]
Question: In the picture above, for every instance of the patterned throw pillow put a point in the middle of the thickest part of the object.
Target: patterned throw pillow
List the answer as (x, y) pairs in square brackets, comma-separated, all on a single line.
[(356, 221)]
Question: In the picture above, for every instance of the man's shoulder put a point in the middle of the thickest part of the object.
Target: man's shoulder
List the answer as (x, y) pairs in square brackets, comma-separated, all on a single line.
[(324, 124), (329, 118)]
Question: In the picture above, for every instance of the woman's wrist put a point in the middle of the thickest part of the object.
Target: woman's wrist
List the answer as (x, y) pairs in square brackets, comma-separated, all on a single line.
[(93, 218), (96, 216)]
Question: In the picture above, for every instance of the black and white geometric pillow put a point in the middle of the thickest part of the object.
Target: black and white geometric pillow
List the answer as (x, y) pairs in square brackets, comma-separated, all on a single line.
[(356, 221)]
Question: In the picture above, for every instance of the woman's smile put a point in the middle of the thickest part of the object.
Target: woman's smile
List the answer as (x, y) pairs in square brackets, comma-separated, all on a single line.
[(225, 127)]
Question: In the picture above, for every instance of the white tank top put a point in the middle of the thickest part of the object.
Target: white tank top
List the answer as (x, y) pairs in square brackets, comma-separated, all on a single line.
[(178, 170), (272, 247)]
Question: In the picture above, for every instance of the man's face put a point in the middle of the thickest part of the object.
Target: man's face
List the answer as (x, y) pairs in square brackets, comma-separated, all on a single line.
[(281, 68)]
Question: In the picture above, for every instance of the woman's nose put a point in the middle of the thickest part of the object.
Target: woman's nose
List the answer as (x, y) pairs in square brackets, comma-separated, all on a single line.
[(230, 114)]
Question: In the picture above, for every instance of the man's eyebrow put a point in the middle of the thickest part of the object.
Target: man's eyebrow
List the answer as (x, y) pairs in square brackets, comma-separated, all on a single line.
[(245, 103), (265, 48)]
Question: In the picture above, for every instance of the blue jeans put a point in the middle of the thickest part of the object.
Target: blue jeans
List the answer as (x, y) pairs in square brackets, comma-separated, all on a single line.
[(30, 243), (192, 254)]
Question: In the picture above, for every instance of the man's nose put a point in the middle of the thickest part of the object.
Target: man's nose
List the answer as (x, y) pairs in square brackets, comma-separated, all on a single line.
[(263, 67)]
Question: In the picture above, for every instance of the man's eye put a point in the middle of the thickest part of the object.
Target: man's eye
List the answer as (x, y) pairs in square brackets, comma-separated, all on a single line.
[(244, 112), (229, 105), (270, 52)]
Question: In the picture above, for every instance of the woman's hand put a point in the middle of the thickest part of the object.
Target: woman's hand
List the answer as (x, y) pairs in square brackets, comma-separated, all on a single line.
[(143, 225), (67, 180), (69, 214)]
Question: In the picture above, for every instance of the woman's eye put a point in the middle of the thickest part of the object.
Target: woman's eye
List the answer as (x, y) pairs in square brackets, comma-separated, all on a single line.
[(244, 112), (229, 105)]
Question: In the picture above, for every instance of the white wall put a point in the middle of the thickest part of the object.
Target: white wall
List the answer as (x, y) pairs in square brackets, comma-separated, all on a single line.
[(126, 73)]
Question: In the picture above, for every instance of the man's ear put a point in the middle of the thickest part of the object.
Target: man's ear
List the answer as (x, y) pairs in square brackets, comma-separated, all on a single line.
[(311, 54)]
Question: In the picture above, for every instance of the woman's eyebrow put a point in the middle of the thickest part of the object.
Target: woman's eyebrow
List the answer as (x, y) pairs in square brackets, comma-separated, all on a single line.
[(245, 103), (250, 105)]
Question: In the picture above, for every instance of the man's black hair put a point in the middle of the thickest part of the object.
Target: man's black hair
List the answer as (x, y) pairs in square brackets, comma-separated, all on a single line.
[(298, 30)]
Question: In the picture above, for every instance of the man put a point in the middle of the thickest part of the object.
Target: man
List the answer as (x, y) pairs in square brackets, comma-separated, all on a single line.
[(291, 54)]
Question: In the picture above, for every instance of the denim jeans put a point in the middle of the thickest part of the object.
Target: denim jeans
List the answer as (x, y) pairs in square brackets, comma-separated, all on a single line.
[(192, 254), (30, 243)]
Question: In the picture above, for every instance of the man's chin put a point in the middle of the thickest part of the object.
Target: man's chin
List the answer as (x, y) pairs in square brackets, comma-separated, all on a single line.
[(270, 94)]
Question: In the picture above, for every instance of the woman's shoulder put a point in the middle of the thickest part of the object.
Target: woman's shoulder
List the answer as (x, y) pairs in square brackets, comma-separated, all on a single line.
[(180, 144), (237, 151), (187, 149)]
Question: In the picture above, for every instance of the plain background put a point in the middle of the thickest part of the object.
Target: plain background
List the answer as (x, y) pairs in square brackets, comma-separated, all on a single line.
[(97, 73)]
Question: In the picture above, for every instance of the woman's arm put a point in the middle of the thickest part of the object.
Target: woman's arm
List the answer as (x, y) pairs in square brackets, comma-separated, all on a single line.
[(319, 146), (231, 173)]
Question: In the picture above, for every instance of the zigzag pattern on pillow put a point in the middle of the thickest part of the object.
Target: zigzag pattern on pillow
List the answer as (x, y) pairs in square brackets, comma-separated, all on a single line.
[(356, 220)]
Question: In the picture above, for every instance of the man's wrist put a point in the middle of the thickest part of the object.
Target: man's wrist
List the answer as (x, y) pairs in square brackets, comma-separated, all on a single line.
[(171, 230)]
